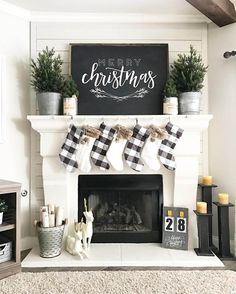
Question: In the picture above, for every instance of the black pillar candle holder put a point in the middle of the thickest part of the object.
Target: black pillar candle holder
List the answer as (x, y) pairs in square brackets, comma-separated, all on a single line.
[(223, 230), (203, 234), (207, 197)]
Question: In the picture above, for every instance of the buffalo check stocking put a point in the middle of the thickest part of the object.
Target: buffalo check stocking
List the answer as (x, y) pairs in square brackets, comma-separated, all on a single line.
[(167, 146), (134, 146), (69, 148), (101, 145)]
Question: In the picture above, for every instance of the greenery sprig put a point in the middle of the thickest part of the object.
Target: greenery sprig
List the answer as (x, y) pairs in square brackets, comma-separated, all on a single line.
[(170, 88), (69, 88), (3, 206)]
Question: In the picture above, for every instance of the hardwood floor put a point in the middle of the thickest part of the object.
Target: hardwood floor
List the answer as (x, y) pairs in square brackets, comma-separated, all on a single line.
[(230, 264)]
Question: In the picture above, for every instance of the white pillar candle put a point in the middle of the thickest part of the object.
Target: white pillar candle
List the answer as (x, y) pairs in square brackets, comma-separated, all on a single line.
[(59, 215), (207, 180), (201, 207), (223, 198)]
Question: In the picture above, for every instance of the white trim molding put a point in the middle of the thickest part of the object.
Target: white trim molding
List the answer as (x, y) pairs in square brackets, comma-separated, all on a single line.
[(2, 99), (44, 16), (115, 18)]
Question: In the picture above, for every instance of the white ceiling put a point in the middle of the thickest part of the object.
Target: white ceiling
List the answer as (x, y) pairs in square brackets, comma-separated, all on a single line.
[(160, 7)]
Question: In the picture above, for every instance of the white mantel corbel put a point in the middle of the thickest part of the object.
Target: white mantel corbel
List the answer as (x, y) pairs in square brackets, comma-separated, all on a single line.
[(180, 187)]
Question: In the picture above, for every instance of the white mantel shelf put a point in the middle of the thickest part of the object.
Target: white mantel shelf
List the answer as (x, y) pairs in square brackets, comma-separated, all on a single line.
[(60, 123)]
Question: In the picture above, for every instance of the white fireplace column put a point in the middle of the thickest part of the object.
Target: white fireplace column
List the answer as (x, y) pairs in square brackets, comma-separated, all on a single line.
[(179, 187)]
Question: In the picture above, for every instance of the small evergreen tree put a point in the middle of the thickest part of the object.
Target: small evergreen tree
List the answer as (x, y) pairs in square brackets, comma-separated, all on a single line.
[(188, 72), (69, 88), (170, 88), (46, 72)]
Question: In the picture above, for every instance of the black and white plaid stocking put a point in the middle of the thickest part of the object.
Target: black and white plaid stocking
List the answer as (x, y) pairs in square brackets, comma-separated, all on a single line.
[(69, 147), (134, 146), (101, 145), (167, 146)]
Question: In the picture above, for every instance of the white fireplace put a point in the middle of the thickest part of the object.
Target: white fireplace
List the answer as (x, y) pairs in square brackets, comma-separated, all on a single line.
[(179, 187)]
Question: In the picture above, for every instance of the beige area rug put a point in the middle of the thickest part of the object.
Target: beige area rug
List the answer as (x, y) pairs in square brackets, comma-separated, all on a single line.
[(119, 282)]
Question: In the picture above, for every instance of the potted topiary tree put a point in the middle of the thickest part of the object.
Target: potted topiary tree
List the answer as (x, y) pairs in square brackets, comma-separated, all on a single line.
[(47, 80), (170, 104), (70, 94), (188, 73), (3, 208)]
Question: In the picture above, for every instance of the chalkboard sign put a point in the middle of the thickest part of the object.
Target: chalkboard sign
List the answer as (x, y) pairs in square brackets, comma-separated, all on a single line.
[(175, 228), (120, 79)]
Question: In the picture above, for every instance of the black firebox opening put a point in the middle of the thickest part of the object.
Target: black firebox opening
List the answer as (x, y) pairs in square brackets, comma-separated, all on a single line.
[(126, 208)]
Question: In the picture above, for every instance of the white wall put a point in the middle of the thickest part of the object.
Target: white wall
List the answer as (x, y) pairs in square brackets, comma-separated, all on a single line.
[(15, 151), (222, 104)]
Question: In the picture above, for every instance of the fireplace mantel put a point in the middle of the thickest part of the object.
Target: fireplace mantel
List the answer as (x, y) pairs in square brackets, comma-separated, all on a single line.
[(179, 187), (59, 123)]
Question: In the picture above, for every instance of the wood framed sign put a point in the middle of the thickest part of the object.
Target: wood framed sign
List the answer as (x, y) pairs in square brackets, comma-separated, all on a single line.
[(120, 79), (175, 228)]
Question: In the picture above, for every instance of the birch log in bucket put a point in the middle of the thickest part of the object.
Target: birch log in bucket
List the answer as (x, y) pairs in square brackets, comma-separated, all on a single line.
[(189, 103)]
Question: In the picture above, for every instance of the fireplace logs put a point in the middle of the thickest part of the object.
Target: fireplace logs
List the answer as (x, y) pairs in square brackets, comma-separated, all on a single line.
[(112, 217)]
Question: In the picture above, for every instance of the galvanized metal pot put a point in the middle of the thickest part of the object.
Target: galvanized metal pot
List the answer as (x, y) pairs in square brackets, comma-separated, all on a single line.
[(49, 103), (50, 240), (189, 103)]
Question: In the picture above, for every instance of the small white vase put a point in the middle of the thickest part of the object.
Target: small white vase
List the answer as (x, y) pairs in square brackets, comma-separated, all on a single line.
[(170, 105), (1, 217), (70, 106)]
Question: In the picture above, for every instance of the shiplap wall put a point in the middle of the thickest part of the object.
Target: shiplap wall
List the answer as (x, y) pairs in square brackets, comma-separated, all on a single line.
[(60, 35)]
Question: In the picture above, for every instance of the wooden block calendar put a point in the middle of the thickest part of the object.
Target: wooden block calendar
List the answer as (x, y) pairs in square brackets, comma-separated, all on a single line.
[(175, 228)]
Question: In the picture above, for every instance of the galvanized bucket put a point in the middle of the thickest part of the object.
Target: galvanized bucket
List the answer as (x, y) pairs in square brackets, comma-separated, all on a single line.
[(49, 103), (189, 103), (50, 240)]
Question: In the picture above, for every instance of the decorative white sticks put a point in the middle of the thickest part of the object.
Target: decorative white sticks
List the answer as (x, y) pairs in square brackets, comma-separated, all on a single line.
[(51, 216)]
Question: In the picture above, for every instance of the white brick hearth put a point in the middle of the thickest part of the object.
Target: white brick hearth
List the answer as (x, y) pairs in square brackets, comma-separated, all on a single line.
[(123, 255)]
